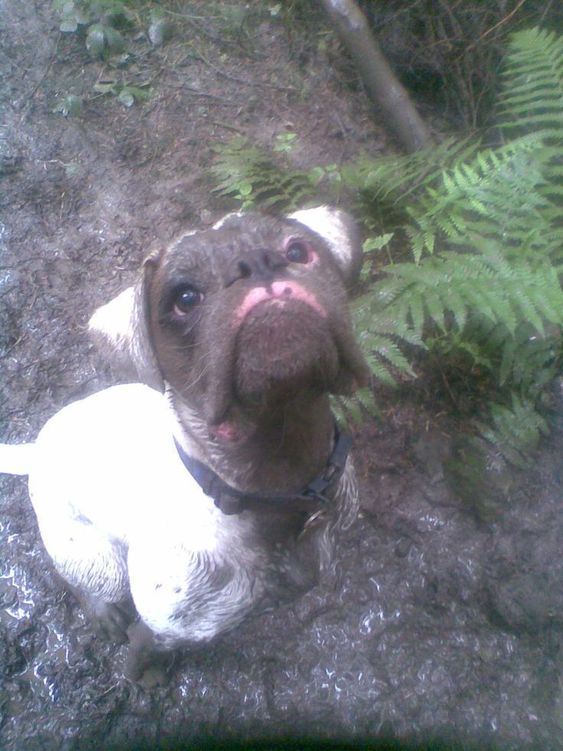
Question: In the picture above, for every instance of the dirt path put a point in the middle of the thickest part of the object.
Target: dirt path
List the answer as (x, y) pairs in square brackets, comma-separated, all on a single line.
[(440, 628)]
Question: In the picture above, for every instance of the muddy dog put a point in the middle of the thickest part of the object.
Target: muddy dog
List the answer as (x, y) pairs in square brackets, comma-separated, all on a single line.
[(216, 483)]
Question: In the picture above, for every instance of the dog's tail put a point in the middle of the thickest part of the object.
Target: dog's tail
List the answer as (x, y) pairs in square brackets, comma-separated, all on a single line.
[(16, 459)]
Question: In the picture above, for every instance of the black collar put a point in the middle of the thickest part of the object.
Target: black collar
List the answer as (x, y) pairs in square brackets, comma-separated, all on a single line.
[(312, 498)]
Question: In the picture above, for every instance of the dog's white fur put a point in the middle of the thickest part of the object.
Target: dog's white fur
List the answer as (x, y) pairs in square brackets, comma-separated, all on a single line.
[(111, 459), (119, 513)]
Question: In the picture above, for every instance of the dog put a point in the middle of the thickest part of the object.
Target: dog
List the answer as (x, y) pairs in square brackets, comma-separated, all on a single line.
[(216, 482)]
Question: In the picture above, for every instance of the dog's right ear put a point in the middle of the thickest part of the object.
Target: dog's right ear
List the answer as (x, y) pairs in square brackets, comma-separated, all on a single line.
[(121, 330), (340, 233)]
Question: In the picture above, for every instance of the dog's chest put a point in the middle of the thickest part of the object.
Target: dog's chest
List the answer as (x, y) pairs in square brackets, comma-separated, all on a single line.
[(110, 463)]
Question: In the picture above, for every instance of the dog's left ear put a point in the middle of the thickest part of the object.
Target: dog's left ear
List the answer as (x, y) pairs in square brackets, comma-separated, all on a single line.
[(341, 234), (121, 330)]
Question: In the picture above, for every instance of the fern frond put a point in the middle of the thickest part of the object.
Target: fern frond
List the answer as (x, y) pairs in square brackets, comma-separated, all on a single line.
[(456, 283), (514, 430), (532, 96), (351, 409), (520, 359), (248, 175), (393, 181), (480, 468), (379, 335), (500, 195), (401, 176), (529, 361)]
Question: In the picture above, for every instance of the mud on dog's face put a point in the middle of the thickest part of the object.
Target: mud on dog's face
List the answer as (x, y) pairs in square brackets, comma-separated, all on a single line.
[(244, 316)]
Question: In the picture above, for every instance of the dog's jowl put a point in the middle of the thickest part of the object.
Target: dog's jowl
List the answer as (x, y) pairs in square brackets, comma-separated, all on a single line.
[(216, 483)]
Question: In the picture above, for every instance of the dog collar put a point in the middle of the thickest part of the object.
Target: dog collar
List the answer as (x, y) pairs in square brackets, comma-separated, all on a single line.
[(313, 497)]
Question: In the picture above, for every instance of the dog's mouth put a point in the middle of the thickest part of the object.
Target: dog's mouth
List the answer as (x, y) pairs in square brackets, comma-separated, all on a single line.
[(282, 345), (279, 293)]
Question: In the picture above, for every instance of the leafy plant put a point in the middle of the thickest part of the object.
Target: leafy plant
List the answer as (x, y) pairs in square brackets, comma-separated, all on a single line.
[(102, 20), (70, 105), (485, 229), (386, 187), (533, 76), (125, 93), (252, 178), (515, 429), (285, 142), (103, 25), (487, 240)]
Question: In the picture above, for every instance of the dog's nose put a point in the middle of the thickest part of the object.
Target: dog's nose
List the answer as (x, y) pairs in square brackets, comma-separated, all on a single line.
[(259, 264)]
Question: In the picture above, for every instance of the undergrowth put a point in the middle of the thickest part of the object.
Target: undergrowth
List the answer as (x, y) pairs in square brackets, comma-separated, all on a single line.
[(107, 28), (484, 228)]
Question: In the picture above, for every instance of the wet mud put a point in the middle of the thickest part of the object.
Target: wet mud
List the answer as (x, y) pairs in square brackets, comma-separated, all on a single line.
[(437, 629)]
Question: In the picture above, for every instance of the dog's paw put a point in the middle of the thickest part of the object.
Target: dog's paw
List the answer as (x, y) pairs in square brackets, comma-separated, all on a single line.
[(111, 618), (145, 664), (153, 676)]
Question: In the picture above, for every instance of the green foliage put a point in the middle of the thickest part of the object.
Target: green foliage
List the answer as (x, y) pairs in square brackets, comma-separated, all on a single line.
[(514, 430), (125, 93), (445, 288), (531, 99), (352, 409), (492, 197), (70, 106), (245, 173), (105, 27), (385, 187), (485, 228), (487, 241), (103, 21), (285, 142)]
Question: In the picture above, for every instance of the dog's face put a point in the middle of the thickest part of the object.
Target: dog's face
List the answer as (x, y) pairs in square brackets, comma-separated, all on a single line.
[(245, 315)]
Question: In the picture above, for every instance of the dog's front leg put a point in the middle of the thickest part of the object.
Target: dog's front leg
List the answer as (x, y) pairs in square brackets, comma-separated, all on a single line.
[(94, 567), (145, 663), (113, 619), (186, 596)]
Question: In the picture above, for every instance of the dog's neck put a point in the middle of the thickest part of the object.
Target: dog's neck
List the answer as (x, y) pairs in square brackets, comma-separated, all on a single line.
[(278, 451)]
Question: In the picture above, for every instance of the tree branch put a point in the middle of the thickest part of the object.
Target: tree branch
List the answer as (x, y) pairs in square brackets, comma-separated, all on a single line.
[(383, 87)]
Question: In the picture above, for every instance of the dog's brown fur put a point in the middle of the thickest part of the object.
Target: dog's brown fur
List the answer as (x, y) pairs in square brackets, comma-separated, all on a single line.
[(245, 330)]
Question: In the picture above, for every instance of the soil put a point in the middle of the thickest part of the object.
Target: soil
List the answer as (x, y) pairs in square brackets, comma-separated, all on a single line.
[(441, 630)]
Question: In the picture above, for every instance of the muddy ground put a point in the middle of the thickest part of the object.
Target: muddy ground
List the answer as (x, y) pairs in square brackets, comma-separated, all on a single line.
[(442, 629)]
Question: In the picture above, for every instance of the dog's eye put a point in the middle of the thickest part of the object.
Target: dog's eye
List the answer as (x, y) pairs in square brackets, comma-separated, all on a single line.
[(186, 299), (297, 251)]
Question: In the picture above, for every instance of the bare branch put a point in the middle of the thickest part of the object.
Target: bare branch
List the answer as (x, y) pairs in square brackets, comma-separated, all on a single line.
[(382, 85)]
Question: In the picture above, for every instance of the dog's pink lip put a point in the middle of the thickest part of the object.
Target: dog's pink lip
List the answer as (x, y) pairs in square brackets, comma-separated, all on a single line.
[(282, 291), (225, 432)]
